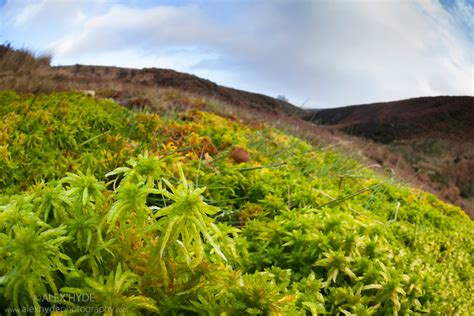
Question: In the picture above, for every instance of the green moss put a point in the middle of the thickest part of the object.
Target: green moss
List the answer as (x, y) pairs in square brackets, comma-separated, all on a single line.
[(295, 230)]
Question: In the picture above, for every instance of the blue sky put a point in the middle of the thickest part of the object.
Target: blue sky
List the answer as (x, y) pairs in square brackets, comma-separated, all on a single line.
[(333, 52)]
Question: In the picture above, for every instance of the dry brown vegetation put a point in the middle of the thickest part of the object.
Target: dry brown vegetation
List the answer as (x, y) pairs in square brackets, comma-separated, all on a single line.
[(22, 71)]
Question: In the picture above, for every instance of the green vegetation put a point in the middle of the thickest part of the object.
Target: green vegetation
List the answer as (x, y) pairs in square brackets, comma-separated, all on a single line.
[(109, 211)]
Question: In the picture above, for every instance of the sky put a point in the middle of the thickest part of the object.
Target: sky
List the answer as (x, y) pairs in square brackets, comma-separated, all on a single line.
[(318, 54)]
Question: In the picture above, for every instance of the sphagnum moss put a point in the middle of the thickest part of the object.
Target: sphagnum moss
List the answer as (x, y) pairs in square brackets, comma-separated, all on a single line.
[(316, 233)]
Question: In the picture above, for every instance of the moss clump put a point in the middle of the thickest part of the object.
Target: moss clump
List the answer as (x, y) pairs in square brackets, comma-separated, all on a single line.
[(177, 226)]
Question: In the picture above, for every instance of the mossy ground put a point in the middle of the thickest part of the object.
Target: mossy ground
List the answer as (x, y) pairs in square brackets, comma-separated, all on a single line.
[(181, 228)]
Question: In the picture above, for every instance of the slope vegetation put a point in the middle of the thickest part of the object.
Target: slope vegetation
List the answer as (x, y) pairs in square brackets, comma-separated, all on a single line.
[(105, 209)]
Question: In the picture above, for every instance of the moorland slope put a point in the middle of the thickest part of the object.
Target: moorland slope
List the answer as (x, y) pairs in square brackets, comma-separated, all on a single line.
[(434, 135), (106, 209)]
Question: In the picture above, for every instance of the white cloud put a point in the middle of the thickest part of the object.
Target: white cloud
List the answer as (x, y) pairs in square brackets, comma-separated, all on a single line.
[(35, 24), (335, 52), (123, 27), (44, 13)]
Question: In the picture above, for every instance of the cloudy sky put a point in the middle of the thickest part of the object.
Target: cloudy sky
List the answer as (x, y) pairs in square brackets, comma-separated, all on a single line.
[(332, 52)]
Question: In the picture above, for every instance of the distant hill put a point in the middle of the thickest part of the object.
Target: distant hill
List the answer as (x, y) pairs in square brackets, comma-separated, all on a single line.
[(446, 117), (167, 78), (434, 134)]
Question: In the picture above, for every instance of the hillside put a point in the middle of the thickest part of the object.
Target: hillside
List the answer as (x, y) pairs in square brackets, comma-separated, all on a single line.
[(108, 210), (434, 135), (21, 71), (167, 78), (162, 91), (443, 117)]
